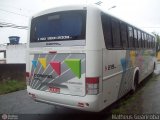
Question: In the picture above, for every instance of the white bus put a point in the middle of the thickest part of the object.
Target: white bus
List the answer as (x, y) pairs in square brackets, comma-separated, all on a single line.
[(84, 58)]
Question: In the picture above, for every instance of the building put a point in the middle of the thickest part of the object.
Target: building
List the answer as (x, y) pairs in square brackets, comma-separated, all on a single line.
[(13, 54), (2, 54)]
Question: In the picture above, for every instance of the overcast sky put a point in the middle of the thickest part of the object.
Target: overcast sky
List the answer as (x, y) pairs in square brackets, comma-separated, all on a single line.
[(142, 13)]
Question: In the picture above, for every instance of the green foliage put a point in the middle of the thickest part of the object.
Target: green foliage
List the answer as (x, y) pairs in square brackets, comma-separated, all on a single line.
[(11, 86), (126, 105), (158, 41), (157, 36)]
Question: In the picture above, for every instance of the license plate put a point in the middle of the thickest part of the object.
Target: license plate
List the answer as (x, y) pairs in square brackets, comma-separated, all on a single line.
[(54, 89)]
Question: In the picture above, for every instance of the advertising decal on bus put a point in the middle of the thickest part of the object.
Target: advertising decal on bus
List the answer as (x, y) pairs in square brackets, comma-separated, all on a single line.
[(73, 64)]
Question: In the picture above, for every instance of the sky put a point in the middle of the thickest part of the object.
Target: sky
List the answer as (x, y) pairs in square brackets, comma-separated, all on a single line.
[(142, 13)]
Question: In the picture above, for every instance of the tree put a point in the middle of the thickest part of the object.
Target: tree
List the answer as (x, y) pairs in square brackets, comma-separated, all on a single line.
[(158, 41)]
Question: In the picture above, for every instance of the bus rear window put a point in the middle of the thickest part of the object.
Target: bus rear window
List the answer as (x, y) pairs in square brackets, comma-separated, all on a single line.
[(59, 26)]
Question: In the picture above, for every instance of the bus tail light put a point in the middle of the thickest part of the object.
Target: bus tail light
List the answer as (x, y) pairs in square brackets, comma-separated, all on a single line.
[(80, 104), (27, 78), (32, 95), (52, 52), (92, 85), (27, 74)]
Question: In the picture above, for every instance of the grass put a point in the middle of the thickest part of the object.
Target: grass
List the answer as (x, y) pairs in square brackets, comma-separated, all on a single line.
[(126, 105), (11, 86)]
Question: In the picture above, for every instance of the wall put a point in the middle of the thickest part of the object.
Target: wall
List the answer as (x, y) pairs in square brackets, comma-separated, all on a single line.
[(16, 54), (12, 72)]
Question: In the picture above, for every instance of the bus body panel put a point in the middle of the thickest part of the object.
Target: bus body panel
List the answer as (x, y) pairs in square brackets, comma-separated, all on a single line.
[(56, 73), (93, 54), (114, 68), (87, 103), (118, 71), (117, 75), (94, 33)]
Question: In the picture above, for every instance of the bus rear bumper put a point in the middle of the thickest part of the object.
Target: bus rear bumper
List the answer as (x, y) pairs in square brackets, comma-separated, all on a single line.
[(85, 103)]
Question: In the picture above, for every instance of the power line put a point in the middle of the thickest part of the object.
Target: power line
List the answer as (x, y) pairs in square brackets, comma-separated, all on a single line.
[(150, 27), (9, 6), (18, 27), (11, 25), (13, 13), (5, 23), (99, 3)]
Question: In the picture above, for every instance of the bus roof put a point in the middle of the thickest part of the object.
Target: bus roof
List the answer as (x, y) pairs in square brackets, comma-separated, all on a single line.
[(61, 8), (121, 19), (85, 7)]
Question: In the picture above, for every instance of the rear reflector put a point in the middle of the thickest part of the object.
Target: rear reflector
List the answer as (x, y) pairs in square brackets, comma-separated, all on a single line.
[(92, 85), (92, 80), (52, 52), (32, 95), (27, 74), (27, 78), (80, 104)]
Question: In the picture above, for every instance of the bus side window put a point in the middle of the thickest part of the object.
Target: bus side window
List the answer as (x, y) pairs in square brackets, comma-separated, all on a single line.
[(139, 39), (149, 41), (123, 35), (142, 39), (136, 38), (153, 42), (145, 39), (107, 30), (115, 33), (130, 37)]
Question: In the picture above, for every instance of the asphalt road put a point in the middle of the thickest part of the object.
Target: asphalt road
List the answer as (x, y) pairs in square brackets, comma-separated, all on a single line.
[(20, 104)]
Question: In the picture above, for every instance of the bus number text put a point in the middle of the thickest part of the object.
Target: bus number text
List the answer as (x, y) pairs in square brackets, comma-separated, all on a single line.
[(110, 67)]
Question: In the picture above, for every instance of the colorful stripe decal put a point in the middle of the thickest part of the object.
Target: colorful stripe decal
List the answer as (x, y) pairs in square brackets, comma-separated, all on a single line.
[(34, 63), (124, 63), (75, 66), (43, 62), (132, 57), (56, 66)]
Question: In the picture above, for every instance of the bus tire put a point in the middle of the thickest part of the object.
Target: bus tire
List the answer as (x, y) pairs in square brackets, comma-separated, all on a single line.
[(154, 66), (135, 82)]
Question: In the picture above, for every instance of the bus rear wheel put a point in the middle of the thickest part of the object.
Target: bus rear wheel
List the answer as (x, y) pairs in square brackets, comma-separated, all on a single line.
[(135, 82), (154, 66)]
